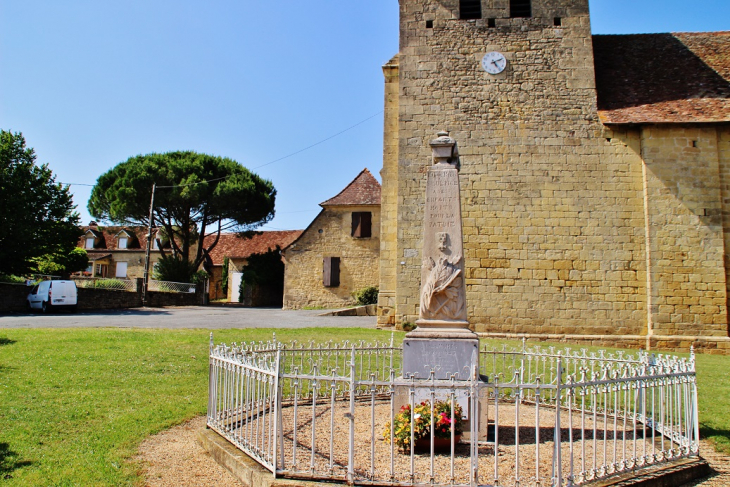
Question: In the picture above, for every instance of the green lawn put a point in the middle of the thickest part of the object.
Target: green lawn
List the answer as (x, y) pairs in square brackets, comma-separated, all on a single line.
[(76, 403)]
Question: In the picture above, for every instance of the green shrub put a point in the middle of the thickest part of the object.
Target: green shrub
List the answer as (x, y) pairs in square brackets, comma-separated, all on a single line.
[(367, 295), (408, 326), (11, 278), (109, 284), (224, 276), (174, 269)]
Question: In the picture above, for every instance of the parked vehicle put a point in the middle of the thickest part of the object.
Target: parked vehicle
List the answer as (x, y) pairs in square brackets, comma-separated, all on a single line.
[(47, 295)]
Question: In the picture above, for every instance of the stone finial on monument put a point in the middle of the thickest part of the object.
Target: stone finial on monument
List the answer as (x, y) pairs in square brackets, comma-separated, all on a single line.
[(442, 341)]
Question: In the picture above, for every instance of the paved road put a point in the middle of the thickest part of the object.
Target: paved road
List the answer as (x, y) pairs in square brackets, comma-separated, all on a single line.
[(188, 317)]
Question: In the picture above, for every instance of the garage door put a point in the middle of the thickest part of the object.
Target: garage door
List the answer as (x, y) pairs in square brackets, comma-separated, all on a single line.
[(235, 285)]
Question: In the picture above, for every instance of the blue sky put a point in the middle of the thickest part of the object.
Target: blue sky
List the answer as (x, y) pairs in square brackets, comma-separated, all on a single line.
[(90, 83)]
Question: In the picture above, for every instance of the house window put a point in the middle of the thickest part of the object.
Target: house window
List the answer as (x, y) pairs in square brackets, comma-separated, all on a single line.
[(154, 244), (520, 8), (101, 270), (121, 269), (123, 242), (470, 9), (90, 243), (331, 272), (361, 224)]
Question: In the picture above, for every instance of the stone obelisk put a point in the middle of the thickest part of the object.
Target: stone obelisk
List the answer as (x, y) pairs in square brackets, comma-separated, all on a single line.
[(442, 340)]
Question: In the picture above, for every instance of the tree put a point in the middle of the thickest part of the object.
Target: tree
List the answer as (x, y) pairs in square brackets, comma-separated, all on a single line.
[(198, 196), (62, 264), (38, 213)]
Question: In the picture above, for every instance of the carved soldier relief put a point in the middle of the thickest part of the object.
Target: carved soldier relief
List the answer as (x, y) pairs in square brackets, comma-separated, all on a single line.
[(443, 301)]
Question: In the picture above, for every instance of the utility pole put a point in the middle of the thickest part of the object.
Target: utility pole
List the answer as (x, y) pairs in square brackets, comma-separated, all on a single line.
[(149, 246)]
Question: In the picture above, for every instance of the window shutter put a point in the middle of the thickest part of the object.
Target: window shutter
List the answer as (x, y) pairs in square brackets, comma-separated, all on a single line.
[(366, 224), (361, 224), (331, 272), (356, 224)]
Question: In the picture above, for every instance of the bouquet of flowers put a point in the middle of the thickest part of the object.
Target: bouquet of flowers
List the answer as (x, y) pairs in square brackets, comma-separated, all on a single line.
[(442, 418)]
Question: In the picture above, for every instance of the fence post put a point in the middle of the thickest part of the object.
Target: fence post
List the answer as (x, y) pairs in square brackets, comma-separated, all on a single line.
[(557, 439), (277, 409), (351, 440), (474, 422), (211, 380), (140, 290)]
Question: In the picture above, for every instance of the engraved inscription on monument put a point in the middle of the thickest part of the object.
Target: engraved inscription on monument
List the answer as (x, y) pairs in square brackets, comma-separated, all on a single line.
[(443, 297)]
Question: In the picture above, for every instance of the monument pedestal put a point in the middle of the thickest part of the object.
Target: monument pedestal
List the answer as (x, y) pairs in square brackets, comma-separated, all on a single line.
[(442, 348), (446, 351)]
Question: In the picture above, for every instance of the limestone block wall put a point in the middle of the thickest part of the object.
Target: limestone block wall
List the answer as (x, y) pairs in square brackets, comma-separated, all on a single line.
[(389, 199), (723, 147), (688, 294), (329, 236)]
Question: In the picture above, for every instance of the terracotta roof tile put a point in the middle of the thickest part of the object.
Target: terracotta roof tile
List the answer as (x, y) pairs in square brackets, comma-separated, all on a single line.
[(232, 246), (107, 237), (363, 190), (663, 78)]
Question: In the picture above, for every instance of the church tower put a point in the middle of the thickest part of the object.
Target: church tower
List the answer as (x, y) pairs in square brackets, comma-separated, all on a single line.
[(513, 82)]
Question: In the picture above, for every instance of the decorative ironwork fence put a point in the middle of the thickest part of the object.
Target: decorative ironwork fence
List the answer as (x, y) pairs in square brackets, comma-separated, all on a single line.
[(536, 416)]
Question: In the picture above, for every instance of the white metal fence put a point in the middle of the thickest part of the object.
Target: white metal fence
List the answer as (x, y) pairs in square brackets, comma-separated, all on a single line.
[(112, 283), (170, 287), (537, 416)]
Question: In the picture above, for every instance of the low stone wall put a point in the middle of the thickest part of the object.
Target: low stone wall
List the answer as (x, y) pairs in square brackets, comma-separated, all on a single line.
[(13, 298), (672, 343), (108, 299)]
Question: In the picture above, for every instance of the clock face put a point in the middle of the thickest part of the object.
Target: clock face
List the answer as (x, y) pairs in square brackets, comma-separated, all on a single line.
[(494, 62)]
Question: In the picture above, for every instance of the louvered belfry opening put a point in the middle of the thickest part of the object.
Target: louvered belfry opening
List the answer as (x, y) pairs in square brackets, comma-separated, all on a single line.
[(470, 9), (520, 8)]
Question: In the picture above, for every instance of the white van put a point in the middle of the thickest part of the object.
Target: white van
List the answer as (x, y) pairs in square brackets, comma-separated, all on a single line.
[(47, 295)]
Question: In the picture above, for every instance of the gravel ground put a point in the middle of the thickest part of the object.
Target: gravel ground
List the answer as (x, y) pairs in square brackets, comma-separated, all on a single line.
[(174, 458)]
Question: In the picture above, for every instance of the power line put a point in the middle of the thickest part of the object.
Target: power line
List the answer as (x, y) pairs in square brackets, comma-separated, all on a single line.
[(262, 165), (321, 141)]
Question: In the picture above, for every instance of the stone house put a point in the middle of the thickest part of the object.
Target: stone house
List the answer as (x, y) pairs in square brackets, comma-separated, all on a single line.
[(118, 251), (237, 250), (338, 252), (594, 173)]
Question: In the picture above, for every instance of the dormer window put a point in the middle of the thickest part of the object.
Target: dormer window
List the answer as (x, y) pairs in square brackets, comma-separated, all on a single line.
[(90, 242), (123, 242), (154, 244)]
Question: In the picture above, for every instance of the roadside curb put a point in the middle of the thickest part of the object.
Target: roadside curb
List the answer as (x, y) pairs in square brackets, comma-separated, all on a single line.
[(367, 310)]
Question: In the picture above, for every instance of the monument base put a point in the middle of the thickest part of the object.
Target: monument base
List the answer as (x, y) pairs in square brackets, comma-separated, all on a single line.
[(446, 353)]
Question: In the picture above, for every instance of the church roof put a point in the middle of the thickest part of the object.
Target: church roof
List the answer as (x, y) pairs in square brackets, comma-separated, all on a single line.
[(363, 190), (663, 78)]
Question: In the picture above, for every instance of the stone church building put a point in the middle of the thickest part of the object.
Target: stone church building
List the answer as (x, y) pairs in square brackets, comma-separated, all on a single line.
[(595, 172)]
